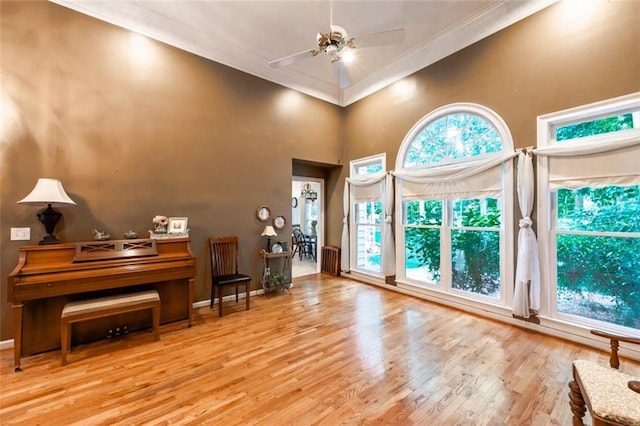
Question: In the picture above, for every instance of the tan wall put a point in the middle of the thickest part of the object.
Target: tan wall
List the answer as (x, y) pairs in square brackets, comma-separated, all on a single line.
[(130, 138), (559, 58)]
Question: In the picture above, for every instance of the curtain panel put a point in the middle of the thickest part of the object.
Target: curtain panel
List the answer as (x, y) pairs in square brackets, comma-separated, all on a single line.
[(467, 180), (526, 297), (594, 161)]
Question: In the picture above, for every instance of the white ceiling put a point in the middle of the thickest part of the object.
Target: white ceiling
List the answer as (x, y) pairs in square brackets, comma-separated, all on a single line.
[(246, 35)]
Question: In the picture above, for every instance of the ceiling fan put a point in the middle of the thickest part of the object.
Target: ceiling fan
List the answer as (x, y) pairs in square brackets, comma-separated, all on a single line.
[(334, 43)]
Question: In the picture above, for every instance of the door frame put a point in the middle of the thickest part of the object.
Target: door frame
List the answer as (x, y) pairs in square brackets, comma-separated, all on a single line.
[(320, 204)]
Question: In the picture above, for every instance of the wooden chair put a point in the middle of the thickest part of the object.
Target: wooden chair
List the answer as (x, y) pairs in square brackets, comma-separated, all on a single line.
[(224, 270), (299, 244), (611, 396)]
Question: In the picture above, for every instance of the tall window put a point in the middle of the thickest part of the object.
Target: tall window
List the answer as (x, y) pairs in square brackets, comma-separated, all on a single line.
[(367, 215), (453, 233), (592, 202)]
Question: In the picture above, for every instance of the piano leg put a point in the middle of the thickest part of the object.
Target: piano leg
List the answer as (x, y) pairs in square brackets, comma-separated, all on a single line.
[(17, 336), (192, 291)]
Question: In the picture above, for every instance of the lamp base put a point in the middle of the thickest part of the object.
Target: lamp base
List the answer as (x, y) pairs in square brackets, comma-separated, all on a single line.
[(49, 218), (49, 239)]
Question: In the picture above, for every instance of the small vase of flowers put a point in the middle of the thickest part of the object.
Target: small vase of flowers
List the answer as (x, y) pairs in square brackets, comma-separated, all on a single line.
[(160, 224)]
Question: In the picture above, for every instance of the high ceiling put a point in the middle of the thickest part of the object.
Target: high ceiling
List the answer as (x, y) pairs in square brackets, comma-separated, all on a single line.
[(246, 35)]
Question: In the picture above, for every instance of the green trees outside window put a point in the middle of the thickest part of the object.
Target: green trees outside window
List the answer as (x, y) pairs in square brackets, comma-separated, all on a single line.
[(598, 254), (475, 246), (595, 127), (368, 220), (475, 243), (422, 237)]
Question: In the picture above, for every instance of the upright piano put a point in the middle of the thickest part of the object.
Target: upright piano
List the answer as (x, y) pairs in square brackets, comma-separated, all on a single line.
[(49, 276)]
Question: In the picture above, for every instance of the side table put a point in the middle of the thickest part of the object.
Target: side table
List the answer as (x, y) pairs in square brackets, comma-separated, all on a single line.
[(276, 271)]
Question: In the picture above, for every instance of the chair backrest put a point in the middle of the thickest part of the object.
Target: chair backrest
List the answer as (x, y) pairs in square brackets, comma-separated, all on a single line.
[(224, 255), (298, 237)]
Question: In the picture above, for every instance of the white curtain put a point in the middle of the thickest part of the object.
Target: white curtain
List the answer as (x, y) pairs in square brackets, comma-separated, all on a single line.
[(344, 257), (466, 180), (388, 247), (594, 161), (527, 285)]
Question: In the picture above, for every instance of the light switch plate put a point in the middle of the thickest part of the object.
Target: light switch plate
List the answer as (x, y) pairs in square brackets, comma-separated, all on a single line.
[(20, 234)]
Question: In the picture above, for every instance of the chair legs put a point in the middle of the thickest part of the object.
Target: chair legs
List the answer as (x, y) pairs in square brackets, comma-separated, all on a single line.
[(577, 404), (247, 293), (218, 292)]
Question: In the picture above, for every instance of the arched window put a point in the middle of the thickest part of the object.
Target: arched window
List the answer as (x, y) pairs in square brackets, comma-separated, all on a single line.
[(455, 201)]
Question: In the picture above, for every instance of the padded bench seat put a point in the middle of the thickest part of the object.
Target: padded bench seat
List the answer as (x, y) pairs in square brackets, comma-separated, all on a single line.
[(82, 310), (607, 393)]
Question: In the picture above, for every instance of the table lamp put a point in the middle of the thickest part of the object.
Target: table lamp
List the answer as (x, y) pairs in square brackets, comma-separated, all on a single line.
[(269, 232), (48, 191)]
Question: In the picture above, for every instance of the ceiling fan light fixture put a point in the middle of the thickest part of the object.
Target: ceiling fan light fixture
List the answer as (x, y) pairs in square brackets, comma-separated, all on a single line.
[(347, 56)]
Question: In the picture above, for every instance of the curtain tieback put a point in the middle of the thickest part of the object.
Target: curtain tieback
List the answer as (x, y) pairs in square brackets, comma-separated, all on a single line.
[(526, 222), (345, 220), (388, 219)]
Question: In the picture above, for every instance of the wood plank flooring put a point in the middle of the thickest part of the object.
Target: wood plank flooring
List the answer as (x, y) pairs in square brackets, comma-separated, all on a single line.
[(333, 352)]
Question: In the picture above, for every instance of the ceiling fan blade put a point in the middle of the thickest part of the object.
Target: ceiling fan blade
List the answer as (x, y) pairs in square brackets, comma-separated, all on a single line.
[(378, 39), (341, 74), (291, 59)]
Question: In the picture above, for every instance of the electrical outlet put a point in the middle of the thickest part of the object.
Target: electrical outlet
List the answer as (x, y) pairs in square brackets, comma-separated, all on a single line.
[(20, 234)]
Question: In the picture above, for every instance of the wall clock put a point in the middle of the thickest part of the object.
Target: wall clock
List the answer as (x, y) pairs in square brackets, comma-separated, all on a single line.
[(279, 222), (263, 213)]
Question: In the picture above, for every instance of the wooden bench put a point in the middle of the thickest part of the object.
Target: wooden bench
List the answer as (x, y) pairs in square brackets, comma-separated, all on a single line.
[(83, 310)]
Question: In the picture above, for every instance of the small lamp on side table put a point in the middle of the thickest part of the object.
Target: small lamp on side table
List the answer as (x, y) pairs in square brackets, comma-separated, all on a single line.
[(48, 191), (269, 232)]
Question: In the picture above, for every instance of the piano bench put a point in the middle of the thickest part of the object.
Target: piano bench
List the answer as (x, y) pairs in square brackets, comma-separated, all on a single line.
[(82, 310)]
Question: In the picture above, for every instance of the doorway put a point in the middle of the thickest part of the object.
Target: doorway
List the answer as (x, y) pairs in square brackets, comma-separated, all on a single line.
[(307, 215)]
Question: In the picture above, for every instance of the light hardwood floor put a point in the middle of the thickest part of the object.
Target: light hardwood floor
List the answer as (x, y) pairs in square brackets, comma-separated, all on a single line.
[(333, 352)]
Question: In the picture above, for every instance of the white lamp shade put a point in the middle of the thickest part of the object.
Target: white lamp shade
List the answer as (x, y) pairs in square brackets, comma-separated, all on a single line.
[(269, 231), (47, 191)]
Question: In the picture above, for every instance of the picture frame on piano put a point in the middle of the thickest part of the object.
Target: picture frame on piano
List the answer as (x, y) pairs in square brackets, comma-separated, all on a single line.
[(177, 225)]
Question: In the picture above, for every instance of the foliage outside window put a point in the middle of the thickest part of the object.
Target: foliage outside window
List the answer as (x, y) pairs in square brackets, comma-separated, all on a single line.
[(423, 227), (475, 246), (595, 127), (368, 220), (453, 137), (367, 167)]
